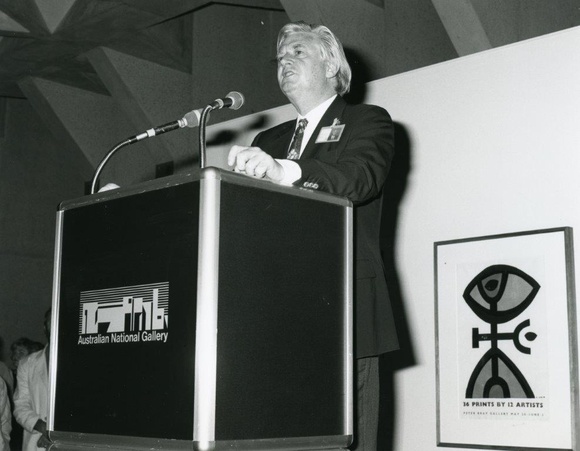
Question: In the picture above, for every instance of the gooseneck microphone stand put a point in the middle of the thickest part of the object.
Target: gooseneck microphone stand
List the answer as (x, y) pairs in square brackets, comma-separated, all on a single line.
[(234, 100), (191, 119), (105, 160), (202, 125)]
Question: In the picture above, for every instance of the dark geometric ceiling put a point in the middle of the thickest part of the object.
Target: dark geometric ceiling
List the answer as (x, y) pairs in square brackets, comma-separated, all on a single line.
[(49, 38)]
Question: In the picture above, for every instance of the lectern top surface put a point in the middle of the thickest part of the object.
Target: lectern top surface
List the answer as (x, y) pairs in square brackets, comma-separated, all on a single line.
[(197, 175)]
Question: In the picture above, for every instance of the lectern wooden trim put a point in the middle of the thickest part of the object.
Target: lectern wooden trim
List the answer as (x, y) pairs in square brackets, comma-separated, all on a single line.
[(205, 311)]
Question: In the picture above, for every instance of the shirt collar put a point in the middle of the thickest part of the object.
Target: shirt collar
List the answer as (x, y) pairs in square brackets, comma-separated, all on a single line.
[(314, 115)]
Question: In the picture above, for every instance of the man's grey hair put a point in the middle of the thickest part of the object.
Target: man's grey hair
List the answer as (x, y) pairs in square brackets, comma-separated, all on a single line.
[(331, 48)]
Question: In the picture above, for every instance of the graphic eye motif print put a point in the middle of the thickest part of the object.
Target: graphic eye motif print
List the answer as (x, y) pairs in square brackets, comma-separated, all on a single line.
[(497, 295)]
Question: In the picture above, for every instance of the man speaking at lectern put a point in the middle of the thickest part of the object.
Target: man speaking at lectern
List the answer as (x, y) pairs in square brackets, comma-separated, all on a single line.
[(344, 150)]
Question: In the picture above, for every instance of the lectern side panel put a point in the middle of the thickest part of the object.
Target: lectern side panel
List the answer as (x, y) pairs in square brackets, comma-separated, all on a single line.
[(127, 315), (282, 300)]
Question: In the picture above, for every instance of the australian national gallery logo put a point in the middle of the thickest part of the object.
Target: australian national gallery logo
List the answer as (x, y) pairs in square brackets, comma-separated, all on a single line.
[(137, 313)]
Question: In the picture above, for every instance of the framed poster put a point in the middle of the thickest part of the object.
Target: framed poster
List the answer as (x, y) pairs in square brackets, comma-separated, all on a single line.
[(506, 345)]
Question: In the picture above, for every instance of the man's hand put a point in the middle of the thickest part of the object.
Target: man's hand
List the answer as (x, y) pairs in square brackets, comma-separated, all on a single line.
[(43, 441), (254, 162)]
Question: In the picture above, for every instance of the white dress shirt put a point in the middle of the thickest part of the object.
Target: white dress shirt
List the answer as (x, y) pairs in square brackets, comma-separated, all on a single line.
[(292, 170)]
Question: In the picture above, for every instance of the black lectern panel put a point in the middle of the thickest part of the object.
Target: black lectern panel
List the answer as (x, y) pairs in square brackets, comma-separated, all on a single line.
[(203, 312), (127, 312), (281, 316)]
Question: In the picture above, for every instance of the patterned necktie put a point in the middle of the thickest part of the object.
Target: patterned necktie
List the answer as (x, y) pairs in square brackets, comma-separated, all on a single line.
[(294, 150)]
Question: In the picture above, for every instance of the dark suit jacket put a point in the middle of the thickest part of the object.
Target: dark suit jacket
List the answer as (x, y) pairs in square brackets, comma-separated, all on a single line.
[(355, 167)]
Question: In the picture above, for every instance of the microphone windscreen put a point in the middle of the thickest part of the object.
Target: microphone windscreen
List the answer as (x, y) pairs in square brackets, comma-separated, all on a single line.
[(192, 118), (237, 99)]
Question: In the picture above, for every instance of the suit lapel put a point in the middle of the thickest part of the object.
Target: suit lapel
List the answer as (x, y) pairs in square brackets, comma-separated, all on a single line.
[(334, 111), (278, 146)]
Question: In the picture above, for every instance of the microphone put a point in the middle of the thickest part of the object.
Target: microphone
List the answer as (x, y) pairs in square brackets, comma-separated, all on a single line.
[(234, 100), (191, 120)]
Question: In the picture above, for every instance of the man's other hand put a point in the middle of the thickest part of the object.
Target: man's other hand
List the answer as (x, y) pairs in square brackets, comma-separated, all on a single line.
[(254, 162)]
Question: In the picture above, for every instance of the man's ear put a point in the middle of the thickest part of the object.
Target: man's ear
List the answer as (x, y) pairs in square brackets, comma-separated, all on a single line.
[(331, 69)]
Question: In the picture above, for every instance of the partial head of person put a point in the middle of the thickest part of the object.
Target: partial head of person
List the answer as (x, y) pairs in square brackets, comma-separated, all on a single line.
[(21, 348), (312, 66)]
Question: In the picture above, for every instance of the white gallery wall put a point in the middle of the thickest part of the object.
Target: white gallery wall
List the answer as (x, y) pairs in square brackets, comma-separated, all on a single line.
[(494, 147)]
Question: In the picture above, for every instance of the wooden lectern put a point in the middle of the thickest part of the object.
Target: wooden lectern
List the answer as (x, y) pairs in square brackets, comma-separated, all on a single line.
[(207, 311)]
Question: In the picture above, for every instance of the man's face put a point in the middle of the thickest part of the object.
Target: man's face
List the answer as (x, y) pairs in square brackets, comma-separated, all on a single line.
[(301, 69), (18, 354)]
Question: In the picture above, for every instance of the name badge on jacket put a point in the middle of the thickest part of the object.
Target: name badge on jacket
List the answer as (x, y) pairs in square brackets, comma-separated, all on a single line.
[(330, 134)]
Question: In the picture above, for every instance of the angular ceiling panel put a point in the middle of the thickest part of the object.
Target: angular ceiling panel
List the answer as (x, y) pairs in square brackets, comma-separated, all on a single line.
[(54, 11), (168, 43), (463, 26), (7, 23), (27, 15), (45, 38), (149, 94)]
